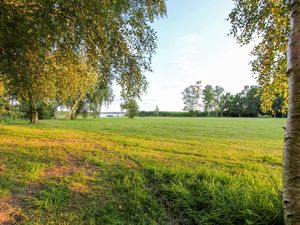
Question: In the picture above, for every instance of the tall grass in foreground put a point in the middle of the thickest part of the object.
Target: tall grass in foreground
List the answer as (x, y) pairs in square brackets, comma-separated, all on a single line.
[(206, 198)]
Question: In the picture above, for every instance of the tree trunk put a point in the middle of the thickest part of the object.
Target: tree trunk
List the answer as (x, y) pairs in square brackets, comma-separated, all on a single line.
[(291, 155), (98, 111), (73, 114), (34, 113)]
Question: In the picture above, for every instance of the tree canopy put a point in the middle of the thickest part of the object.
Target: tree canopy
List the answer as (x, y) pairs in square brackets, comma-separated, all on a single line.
[(46, 43), (132, 108), (208, 98), (191, 97), (265, 23)]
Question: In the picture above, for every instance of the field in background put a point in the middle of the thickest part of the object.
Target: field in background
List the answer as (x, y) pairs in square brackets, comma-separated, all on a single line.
[(142, 171)]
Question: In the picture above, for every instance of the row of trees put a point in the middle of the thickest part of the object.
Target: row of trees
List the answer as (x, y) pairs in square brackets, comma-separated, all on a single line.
[(68, 53), (216, 102), (11, 107)]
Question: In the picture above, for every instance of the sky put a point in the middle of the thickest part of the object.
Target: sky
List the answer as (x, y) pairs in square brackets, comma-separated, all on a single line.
[(193, 44)]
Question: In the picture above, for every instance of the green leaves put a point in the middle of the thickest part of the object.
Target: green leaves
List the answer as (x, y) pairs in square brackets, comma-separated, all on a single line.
[(131, 107), (267, 24), (191, 97), (46, 41)]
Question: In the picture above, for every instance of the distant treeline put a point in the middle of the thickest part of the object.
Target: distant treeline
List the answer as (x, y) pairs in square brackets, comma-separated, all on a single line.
[(210, 101), (201, 114), (170, 114), (214, 102)]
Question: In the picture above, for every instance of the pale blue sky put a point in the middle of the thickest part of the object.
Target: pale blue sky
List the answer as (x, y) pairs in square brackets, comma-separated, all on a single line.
[(193, 45)]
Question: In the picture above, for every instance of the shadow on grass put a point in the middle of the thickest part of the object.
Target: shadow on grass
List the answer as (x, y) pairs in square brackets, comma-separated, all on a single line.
[(207, 199), (117, 195), (112, 196), (20, 168)]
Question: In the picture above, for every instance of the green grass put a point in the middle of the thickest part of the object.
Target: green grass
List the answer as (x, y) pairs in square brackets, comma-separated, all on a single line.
[(142, 171)]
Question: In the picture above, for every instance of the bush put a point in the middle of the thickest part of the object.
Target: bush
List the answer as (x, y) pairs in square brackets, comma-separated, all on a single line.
[(45, 111)]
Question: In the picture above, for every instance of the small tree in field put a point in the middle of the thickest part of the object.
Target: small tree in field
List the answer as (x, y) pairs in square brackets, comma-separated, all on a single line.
[(191, 98), (156, 111), (131, 107), (219, 93), (209, 99)]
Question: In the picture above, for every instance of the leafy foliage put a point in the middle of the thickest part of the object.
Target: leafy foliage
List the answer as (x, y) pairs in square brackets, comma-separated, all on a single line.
[(191, 97), (209, 99), (131, 107), (267, 24), (245, 103), (45, 46), (45, 111), (102, 94), (217, 103)]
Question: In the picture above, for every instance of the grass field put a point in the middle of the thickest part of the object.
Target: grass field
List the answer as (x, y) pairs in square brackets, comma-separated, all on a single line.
[(142, 171)]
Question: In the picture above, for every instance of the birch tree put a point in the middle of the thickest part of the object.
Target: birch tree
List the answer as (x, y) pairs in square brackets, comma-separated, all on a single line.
[(208, 99), (114, 38), (291, 156), (191, 97), (277, 26)]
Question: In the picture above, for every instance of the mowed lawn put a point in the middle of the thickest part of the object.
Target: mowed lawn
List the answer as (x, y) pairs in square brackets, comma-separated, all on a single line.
[(142, 171)]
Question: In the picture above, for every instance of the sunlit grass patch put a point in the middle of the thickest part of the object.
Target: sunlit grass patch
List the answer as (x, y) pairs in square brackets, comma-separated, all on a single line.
[(144, 171)]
